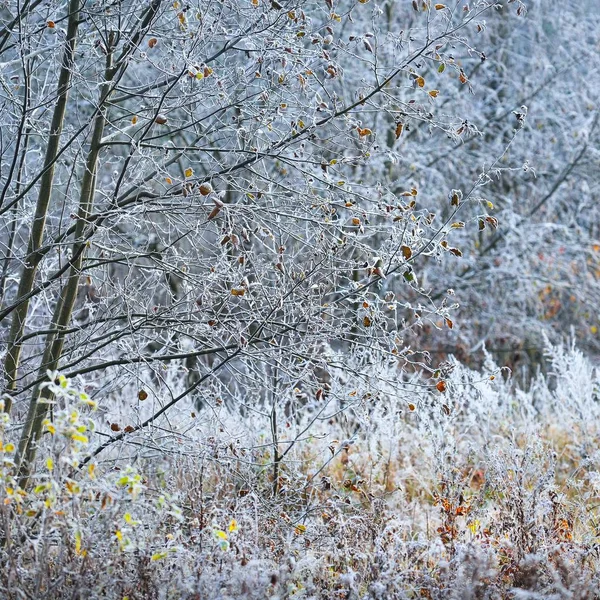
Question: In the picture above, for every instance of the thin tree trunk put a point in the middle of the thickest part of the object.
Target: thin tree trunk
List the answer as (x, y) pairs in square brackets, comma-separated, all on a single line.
[(38, 405), (32, 260)]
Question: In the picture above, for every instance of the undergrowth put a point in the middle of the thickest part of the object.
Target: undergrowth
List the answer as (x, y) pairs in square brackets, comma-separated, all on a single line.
[(481, 491)]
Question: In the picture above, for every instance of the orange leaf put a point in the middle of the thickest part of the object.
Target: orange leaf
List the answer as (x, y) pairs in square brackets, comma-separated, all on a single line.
[(441, 386)]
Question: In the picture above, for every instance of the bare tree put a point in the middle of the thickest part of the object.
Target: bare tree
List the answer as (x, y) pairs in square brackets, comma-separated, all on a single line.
[(204, 199)]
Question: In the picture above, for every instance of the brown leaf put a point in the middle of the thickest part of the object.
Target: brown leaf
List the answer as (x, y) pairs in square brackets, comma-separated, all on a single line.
[(406, 252), (441, 386), (399, 128), (160, 119), (142, 395), (152, 42), (115, 427), (214, 213), (129, 429), (205, 189)]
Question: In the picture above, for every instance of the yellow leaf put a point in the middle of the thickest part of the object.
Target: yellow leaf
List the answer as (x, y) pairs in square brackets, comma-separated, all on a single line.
[(188, 172), (49, 464), (594, 329), (233, 526), (420, 82), (473, 526), (440, 6), (299, 529), (9, 448), (220, 534), (134, 120), (434, 93), (78, 542), (72, 486)]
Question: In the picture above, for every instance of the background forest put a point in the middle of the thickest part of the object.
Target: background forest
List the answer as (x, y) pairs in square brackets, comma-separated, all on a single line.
[(299, 299)]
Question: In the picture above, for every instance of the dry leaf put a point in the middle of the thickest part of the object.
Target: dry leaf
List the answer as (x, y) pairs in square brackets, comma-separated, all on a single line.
[(205, 189)]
